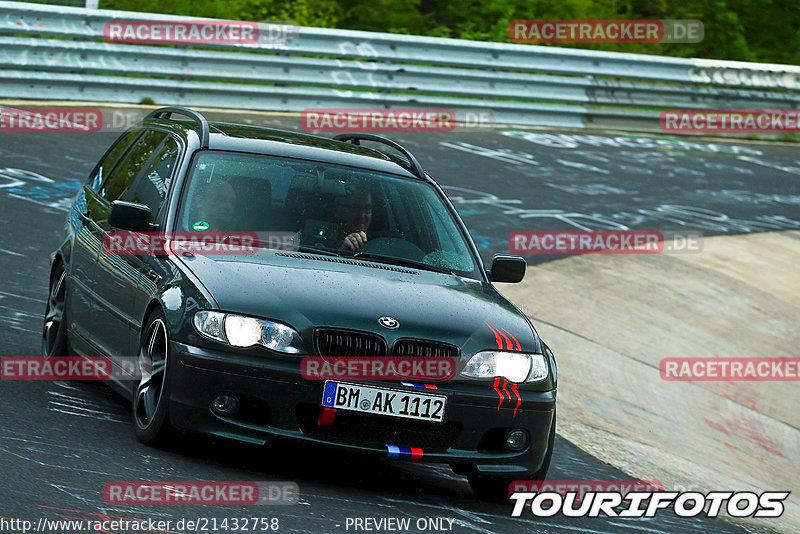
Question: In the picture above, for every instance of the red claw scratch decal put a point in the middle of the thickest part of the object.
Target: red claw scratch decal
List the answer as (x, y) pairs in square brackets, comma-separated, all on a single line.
[(505, 383), (502, 398), (519, 348), (507, 336), (519, 399), (496, 336), (508, 341)]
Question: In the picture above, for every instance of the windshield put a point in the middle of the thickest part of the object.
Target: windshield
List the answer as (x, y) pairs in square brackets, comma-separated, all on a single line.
[(371, 216)]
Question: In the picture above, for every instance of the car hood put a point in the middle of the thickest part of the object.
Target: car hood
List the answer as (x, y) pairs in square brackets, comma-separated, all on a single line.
[(308, 291)]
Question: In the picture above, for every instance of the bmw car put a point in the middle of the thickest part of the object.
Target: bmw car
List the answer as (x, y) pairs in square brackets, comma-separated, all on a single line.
[(378, 264)]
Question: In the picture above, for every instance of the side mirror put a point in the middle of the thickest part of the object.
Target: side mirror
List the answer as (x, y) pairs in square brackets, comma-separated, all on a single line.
[(509, 269), (129, 216)]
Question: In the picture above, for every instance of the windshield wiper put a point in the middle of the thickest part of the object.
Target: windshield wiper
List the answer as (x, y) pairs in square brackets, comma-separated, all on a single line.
[(320, 251), (379, 258)]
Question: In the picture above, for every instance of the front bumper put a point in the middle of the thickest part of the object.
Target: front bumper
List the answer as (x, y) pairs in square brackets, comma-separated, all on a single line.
[(277, 402)]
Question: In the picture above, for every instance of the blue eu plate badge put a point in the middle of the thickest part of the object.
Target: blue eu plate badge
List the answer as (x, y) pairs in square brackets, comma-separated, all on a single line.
[(329, 395)]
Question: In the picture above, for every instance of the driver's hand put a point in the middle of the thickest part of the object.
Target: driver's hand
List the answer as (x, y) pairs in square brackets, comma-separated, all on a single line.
[(355, 240)]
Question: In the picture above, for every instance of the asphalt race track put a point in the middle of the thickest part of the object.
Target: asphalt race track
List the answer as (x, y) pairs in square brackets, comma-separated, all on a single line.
[(62, 441)]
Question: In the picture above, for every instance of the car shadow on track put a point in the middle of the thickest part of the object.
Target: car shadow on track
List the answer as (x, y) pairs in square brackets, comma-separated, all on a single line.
[(340, 484)]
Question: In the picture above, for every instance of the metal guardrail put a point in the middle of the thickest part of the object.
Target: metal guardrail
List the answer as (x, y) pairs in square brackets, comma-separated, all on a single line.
[(54, 52)]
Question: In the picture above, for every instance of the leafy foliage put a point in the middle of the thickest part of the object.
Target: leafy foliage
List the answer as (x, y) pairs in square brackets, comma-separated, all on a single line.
[(745, 30)]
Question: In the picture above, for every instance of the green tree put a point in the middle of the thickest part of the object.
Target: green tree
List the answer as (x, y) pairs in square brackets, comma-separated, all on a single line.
[(745, 30)]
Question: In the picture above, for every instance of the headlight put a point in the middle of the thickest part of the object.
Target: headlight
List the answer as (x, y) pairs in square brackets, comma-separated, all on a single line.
[(241, 331), (513, 366), (209, 323)]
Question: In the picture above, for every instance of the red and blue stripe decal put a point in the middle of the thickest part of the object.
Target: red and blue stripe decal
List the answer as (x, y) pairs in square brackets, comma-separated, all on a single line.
[(428, 386), (404, 453)]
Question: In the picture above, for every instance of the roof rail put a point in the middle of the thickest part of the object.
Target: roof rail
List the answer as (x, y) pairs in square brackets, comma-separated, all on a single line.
[(197, 117), (415, 167)]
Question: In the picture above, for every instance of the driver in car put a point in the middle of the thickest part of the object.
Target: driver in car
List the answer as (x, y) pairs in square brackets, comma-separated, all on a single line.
[(354, 215)]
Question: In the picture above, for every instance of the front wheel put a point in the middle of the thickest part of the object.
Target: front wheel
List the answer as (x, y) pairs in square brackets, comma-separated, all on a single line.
[(151, 401), (54, 332), (496, 488)]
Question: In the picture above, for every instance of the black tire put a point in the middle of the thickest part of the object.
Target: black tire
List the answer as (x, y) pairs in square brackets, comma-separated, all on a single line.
[(152, 394), (54, 329), (496, 488)]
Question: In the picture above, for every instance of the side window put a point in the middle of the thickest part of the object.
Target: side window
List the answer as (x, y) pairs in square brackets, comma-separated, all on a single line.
[(149, 187), (451, 251), (136, 159), (110, 160)]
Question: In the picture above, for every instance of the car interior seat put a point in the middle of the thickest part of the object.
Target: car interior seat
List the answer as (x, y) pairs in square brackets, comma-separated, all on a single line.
[(254, 203)]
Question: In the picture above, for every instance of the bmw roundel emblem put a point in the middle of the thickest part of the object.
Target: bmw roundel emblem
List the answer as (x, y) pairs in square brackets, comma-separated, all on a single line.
[(389, 322)]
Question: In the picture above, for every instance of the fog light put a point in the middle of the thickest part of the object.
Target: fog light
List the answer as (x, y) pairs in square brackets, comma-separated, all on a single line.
[(516, 440), (225, 404)]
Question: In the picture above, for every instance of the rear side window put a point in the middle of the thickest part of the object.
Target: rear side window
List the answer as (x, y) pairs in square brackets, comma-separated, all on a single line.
[(111, 159), (137, 158), (150, 185)]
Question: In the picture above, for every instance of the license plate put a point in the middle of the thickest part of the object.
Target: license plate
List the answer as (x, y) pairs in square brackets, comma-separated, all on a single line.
[(384, 401)]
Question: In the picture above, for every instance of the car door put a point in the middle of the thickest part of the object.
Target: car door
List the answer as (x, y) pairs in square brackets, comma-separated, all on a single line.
[(116, 283), (81, 301), (150, 188)]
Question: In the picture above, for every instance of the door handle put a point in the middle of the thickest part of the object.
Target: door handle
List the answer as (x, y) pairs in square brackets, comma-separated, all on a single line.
[(154, 276)]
